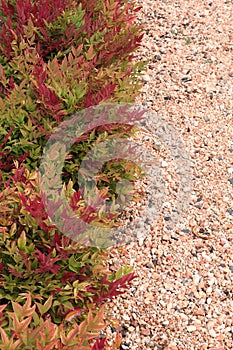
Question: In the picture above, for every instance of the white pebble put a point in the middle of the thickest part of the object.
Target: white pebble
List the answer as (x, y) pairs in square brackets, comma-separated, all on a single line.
[(212, 333), (164, 164), (126, 317), (191, 328), (153, 251), (166, 204), (146, 77), (211, 282), (196, 279)]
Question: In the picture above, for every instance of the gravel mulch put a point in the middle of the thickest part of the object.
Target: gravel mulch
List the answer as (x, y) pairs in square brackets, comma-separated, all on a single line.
[(182, 297)]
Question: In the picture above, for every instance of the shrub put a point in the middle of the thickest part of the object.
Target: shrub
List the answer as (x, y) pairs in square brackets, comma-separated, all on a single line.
[(55, 63), (31, 331), (57, 58), (35, 258)]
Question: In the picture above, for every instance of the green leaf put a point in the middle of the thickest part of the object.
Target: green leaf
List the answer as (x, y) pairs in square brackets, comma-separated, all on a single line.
[(22, 241), (119, 273), (47, 305)]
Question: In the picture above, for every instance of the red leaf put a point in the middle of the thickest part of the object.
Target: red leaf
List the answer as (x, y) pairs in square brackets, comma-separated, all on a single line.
[(99, 344), (46, 263)]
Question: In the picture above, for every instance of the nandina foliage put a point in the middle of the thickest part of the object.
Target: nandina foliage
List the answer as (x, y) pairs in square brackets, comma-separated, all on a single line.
[(32, 331), (57, 58)]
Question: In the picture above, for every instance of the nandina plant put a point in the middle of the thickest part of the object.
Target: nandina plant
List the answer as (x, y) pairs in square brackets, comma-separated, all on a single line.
[(37, 258), (57, 58), (26, 328)]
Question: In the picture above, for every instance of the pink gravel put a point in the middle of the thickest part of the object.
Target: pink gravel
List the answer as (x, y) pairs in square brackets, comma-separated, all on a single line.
[(182, 296)]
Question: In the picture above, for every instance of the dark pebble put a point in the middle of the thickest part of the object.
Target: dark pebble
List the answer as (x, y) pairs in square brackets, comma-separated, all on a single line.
[(226, 292), (190, 296), (186, 280), (167, 218), (124, 331), (157, 58), (230, 211), (204, 232), (150, 204), (113, 329), (185, 230), (199, 199), (186, 79), (231, 75), (231, 268), (175, 238), (231, 181), (230, 150), (166, 98)]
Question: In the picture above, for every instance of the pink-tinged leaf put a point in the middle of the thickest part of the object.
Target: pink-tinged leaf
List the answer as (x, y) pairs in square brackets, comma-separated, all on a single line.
[(50, 346), (20, 326), (73, 314), (9, 343), (4, 336), (90, 53), (26, 309), (42, 327), (18, 309), (73, 333), (15, 272), (2, 307)]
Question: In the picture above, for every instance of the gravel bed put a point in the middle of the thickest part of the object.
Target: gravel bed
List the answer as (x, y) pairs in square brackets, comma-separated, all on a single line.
[(182, 296)]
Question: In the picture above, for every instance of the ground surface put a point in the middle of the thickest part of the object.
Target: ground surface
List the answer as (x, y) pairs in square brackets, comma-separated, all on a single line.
[(183, 295)]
